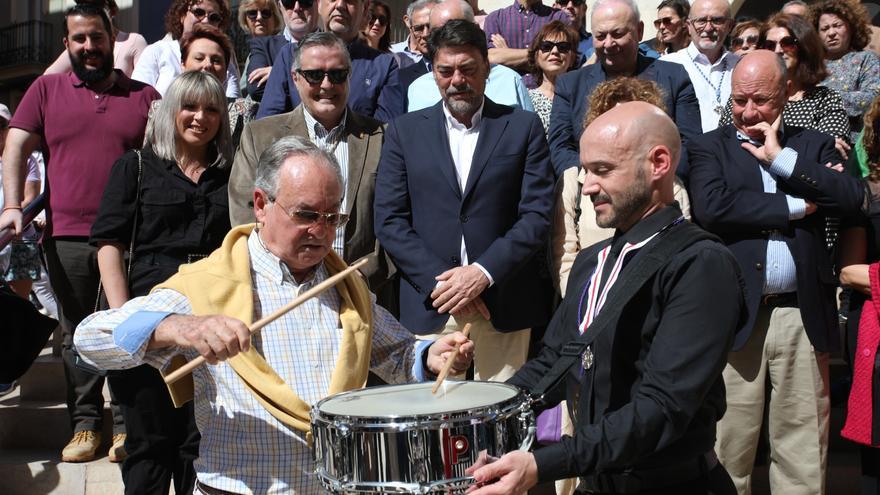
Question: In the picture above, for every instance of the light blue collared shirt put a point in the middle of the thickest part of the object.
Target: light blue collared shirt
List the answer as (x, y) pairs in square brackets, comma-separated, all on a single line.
[(780, 274), (503, 86)]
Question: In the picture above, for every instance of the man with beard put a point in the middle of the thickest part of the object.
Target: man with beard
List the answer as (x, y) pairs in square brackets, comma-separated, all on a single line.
[(375, 91), (706, 60), (639, 342), (84, 121), (464, 214), (764, 190)]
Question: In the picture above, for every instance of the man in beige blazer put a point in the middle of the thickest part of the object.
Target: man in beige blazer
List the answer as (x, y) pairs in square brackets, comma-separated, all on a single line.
[(321, 68)]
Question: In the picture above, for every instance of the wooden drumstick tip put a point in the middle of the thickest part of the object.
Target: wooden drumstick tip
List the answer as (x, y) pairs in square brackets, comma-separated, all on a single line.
[(448, 366), (257, 325)]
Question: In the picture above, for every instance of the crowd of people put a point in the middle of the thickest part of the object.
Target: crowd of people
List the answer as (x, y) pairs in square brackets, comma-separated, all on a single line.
[(649, 235)]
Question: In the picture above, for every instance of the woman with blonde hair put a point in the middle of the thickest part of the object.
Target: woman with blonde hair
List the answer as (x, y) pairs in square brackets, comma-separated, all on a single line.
[(165, 205)]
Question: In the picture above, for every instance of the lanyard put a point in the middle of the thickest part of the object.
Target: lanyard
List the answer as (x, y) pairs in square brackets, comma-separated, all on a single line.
[(717, 89)]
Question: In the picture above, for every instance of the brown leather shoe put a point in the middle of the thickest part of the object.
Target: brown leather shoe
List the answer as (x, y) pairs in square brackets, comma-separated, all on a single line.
[(117, 450), (82, 446)]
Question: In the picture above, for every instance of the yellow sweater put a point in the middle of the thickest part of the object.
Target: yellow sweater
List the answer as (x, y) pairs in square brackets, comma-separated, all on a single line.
[(221, 284)]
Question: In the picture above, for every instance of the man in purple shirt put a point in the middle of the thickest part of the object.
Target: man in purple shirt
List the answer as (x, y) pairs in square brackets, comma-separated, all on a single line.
[(511, 30), (83, 121)]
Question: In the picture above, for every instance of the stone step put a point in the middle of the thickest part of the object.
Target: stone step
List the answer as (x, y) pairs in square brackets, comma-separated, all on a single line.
[(44, 381), (32, 471)]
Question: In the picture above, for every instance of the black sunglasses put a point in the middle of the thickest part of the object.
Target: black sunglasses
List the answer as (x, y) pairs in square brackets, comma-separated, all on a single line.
[(303, 4), (788, 43), (738, 42), (383, 19), (547, 46), (316, 76), (576, 3), (252, 14), (213, 17)]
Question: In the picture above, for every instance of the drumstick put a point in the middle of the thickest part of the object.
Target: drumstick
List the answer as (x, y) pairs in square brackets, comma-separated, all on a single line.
[(448, 366), (256, 326)]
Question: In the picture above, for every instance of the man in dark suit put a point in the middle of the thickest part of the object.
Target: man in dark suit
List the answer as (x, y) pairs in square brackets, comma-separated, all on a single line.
[(616, 34), (354, 139), (300, 19), (464, 213), (764, 189), (638, 347), (375, 91)]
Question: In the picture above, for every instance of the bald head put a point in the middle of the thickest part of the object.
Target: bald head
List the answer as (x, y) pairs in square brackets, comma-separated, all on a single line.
[(629, 153), (627, 9), (759, 91), (448, 10)]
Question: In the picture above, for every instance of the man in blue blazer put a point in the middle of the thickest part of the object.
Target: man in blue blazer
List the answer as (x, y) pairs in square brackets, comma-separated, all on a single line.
[(764, 188), (463, 201), (616, 34), (375, 91), (300, 19)]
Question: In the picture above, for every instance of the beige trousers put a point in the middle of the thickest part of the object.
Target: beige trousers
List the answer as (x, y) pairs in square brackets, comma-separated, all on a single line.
[(497, 356), (778, 350)]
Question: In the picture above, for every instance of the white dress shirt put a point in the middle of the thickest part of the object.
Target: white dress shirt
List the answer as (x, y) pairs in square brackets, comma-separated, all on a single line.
[(711, 81), (335, 142), (160, 63), (462, 146)]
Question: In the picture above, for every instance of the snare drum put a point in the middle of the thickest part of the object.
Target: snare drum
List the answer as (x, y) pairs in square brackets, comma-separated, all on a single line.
[(403, 439)]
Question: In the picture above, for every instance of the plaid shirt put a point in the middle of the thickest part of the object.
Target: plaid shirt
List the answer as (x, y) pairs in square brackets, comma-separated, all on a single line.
[(244, 449), (519, 26)]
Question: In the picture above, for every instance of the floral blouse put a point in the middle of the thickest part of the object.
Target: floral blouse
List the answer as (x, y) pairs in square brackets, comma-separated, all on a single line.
[(542, 105), (856, 76)]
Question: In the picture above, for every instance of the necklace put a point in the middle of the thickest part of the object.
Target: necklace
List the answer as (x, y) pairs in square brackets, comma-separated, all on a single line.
[(718, 106)]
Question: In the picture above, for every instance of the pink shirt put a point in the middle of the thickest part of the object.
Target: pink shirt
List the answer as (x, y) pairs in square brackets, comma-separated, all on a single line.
[(83, 134)]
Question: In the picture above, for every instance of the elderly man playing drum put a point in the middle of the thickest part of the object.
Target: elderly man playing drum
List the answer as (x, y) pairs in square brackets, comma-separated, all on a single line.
[(253, 410), (638, 345)]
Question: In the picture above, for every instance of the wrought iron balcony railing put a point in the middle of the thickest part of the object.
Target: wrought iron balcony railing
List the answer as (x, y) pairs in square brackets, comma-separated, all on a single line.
[(25, 43)]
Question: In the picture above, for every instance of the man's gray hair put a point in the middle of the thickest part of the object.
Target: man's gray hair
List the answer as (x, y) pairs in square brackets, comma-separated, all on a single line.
[(629, 3), (319, 38), (275, 155), (418, 5)]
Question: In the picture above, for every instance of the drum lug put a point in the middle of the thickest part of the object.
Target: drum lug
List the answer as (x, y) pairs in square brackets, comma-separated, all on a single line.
[(340, 452)]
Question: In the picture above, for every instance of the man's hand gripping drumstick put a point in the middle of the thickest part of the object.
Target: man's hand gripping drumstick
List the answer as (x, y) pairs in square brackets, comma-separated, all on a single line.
[(450, 361), (218, 337)]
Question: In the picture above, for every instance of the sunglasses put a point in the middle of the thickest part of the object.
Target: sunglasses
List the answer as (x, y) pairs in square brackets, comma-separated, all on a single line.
[(307, 218), (717, 22), (316, 76), (200, 13), (576, 3), (303, 4), (547, 46), (788, 43), (418, 28), (666, 21), (737, 43), (383, 19), (252, 14)]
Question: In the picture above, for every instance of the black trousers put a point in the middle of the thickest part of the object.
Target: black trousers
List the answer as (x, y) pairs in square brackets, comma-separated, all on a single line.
[(714, 482), (162, 441), (73, 273)]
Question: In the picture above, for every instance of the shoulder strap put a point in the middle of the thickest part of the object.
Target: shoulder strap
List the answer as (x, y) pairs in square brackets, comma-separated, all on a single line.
[(646, 263), (137, 205)]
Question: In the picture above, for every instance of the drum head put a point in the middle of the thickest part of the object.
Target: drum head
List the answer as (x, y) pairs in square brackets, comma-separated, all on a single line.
[(415, 399)]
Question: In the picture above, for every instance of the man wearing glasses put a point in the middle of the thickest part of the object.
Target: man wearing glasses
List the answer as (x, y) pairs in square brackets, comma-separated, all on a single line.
[(253, 411), (617, 30), (706, 60), (412, 50), (577, 12), (321, 71), (300, 19), (375, 91)]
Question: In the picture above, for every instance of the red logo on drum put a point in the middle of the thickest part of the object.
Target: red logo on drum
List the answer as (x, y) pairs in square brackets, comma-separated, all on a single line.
[(458, 446)]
